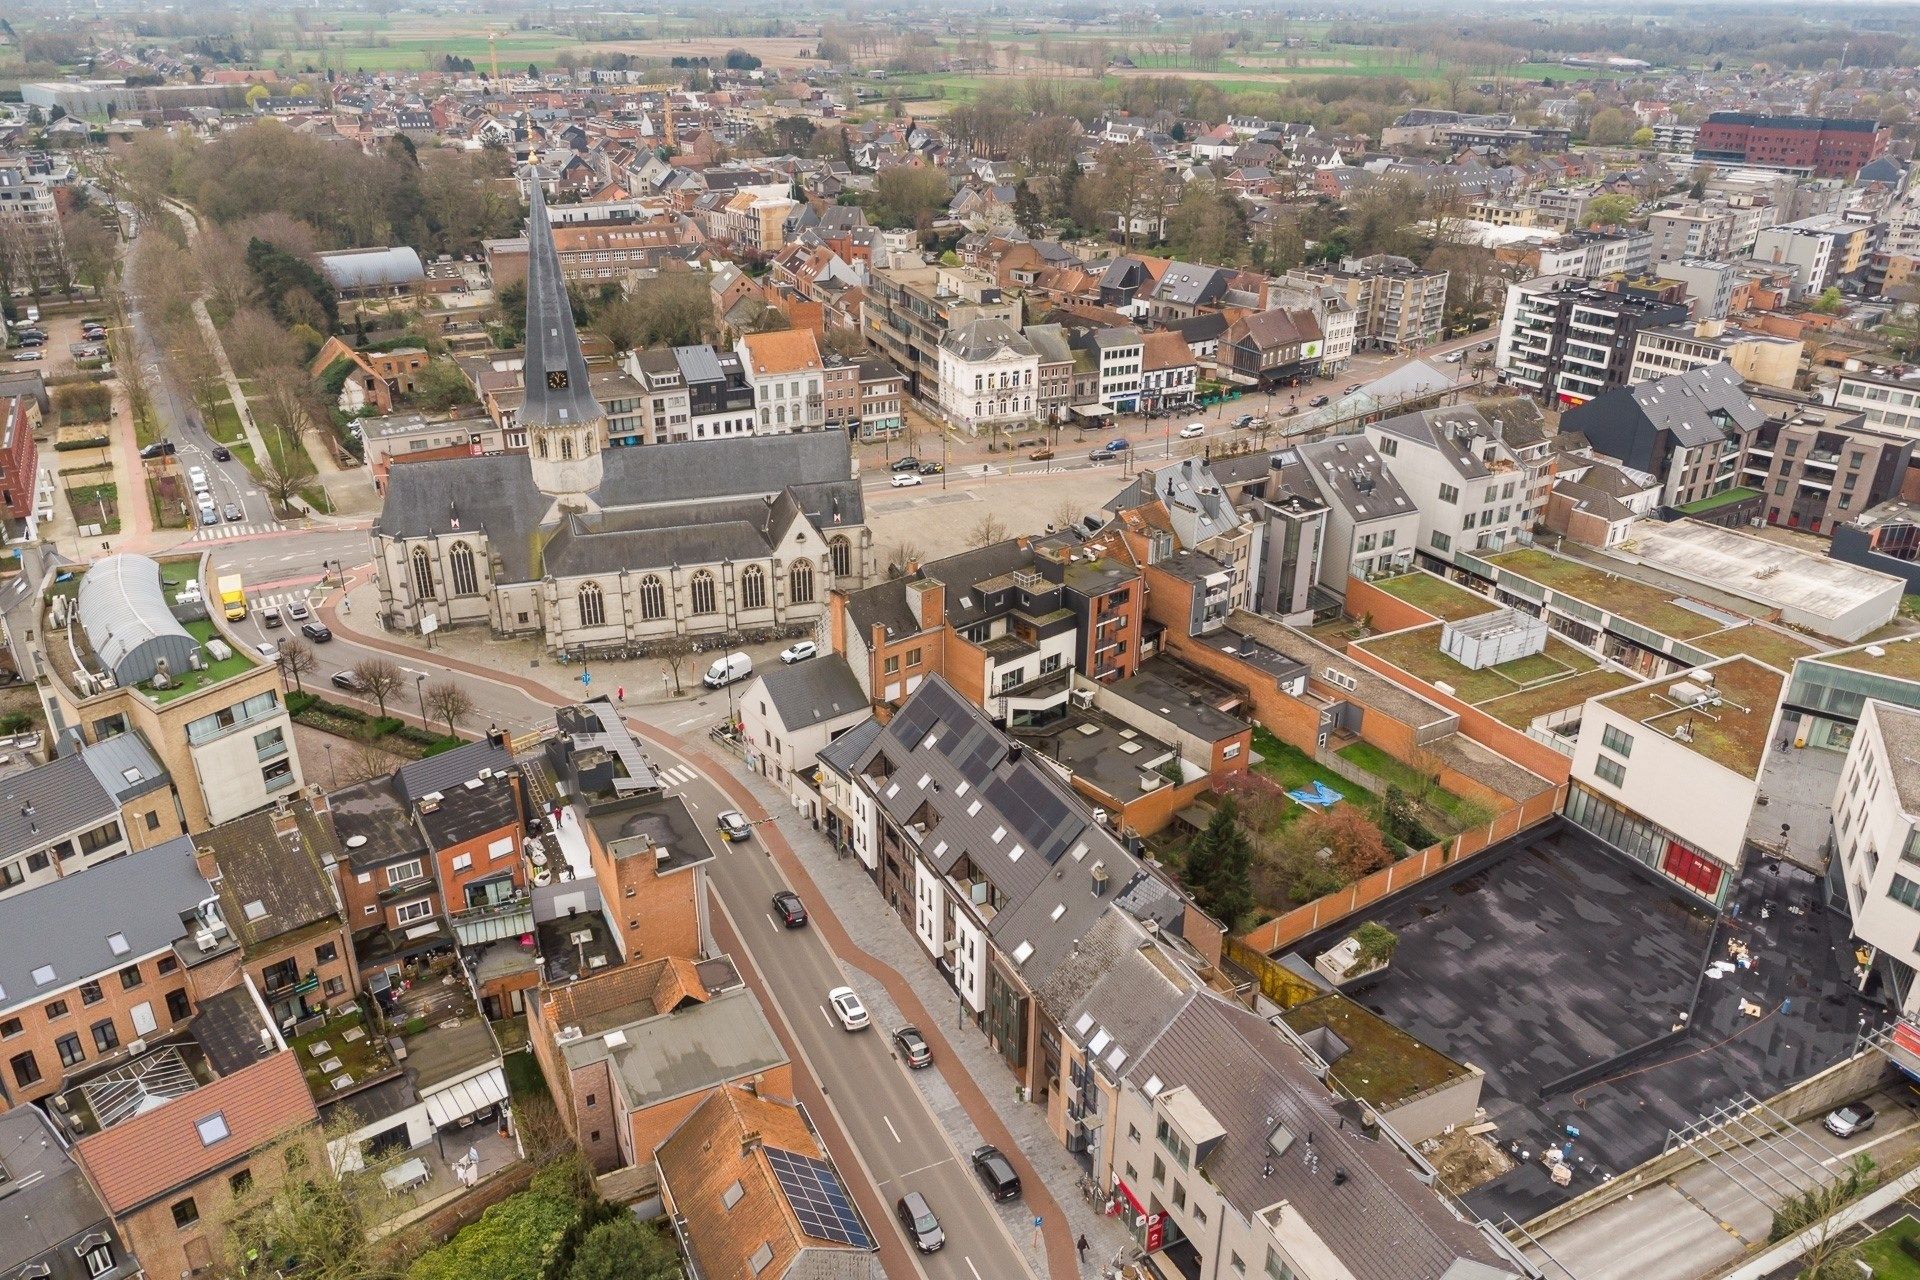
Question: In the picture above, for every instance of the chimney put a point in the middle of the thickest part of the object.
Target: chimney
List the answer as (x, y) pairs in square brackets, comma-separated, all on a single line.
[(927, 598), (1099, 872), (203, 863), (1014, 751), (749, 1142), (285, 823)]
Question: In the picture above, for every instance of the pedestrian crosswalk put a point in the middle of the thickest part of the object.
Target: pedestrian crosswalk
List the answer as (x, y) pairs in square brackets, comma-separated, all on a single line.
[(280, 599), (678, 776), (214, 534)]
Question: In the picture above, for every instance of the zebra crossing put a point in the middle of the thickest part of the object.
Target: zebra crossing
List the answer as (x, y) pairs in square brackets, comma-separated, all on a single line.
[(678, 776), (280, 599), (235, 530)]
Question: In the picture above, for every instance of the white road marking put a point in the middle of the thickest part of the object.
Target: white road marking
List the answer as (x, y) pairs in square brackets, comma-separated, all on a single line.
[(826, 1015), (971, 1267), (890, 1129), (771, 925), (909, 1173)]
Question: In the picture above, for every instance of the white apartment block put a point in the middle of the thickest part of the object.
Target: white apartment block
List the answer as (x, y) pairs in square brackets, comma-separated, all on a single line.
[(1876, 839), (1889, 402), (988, 375)]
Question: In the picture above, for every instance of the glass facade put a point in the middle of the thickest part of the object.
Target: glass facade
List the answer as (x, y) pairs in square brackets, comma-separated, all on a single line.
[(1648, 844), (1829, 697)]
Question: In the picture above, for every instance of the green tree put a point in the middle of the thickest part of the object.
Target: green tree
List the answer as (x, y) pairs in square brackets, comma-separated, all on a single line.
[(284, 278), (1611, 211), (441, 385), (1642, 137), (1208, 225), (1828, 302), (1610, 127), (1220, 867), (905, 195), (624, 1249)]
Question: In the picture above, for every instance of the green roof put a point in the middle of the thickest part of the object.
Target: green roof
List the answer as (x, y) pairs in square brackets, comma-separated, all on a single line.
[(1444, 600), (1732, 734), (1416, 651), (1615, 593), (1384, 1066), (1899, 659), (237, 663), (1775, 648), (1713, 502)]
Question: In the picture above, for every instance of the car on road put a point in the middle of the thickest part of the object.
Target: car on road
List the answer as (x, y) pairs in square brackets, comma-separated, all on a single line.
[(31, 353), (799, 651), (1193, 429), (789, 909), (1484, 347), (1242, 422), (734, 826), (1455, 357), (1319, 402), (931, 468), (270, 616), (906, 480), (1845, 1122), (914, 1049), (907, 463), (209, 514), (318, 632), (847, 1007), (1116, 445), (297, 611), (268, 650), (158, 449), (996, 1173), (1040, 455), (1353, 388), (222, 454), (197, 477), (918, 1221), (232, 511), (348, 681)]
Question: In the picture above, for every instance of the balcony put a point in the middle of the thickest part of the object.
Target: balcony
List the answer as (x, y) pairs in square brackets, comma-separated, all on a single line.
[(1828, 461)]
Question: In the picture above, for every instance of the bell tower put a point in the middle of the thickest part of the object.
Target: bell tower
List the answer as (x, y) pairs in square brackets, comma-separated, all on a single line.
[(565, 425)]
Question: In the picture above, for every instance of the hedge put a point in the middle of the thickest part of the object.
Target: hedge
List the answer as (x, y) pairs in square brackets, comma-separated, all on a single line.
[(86, 442)]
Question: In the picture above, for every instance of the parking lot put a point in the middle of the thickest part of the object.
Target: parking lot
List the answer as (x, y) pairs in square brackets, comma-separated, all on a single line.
[(1556, 955), (63, 334)]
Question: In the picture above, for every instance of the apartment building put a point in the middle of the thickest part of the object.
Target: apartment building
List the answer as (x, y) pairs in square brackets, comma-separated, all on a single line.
[(988, 377), (1691, 430), (129, 645), (909, 310), (1820, 250), (1272, 348), (30, 229), (20, 417), (1815, 146), (1398, 306), (1055, 357), (97, 965), (1477, 473), (1115, 354), (1709, 285), (1567, 339), (1876, 843), (92, 805), (1667, 771), (1373, 526), (1889, 397), (1819, 467), (1169, 375), (1339, 321), (787, 377), (692, 393), (1701, 231), (1188, 501), (1275, 493), (1764, 359)]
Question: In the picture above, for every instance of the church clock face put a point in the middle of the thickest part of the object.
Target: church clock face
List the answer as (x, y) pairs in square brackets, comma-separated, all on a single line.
[(557, 379)]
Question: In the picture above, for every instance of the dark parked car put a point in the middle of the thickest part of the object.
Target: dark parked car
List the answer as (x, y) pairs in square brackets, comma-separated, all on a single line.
[(787, 906), (158, 449), (232, 511), (348, 681), (931, 468), (222, 454), (1317, 402), (996, 1173), (908, 463), (916, 1217), (316, 632), (914, 1049)]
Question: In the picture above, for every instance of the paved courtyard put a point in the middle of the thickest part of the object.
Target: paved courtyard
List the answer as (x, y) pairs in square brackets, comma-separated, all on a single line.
[(1558, 955)]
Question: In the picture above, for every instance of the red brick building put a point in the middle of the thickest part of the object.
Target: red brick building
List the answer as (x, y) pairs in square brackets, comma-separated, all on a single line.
[(19, 457), (1824, 147)]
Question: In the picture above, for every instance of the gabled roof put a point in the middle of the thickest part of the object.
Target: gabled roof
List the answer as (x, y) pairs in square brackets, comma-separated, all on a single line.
[(1698, 406), (52, 800), (272, 884), (150, 1155), (813, 692)]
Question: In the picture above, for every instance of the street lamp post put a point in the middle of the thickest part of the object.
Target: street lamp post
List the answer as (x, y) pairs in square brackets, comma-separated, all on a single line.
[(420, 687)]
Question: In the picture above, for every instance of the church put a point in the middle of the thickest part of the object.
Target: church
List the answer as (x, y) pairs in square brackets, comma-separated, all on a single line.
[(599, 550)]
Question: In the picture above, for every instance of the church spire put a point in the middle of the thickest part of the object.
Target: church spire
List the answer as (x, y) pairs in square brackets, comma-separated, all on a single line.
[(558, 393)]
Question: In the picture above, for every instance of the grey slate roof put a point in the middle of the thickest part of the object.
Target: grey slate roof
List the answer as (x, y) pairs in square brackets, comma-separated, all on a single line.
[(451, 768), (552, 344), (985, 338), (125, 766), (65, 797), (813, 692), (1381, 1220), (676, 1054), (496, 494), (1686, 404), (50, 1208), (1350, 472), (66, 925)]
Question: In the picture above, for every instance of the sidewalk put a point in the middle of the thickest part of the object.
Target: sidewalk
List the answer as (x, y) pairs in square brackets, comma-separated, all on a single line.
[(958, 1099), (211, 334)]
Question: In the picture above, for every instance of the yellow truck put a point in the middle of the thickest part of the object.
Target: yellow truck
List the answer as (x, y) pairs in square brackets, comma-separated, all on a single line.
[(233, 597)]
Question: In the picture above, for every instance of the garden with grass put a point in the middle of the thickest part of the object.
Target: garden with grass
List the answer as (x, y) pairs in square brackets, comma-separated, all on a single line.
[(388, 733), (1894, 1254)]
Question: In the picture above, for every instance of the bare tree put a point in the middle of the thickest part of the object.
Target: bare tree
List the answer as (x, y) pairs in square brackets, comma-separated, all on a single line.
[(1067, 514), (903, 559), (989, 530), (296, 660), (674, 652), (449, 701), (286, 471), (380, 679)]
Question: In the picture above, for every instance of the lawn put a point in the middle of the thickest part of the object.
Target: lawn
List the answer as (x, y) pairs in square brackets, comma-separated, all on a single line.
[(1882, 1252), (1410, 780), (1442, 599), (224, 424), (96, 504), (226, 668), (523, 1076), (1292, 768), (412, 53), (1417, 652)]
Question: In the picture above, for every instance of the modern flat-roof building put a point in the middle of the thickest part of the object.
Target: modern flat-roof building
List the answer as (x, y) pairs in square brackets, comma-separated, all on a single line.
[(1563, 338), (1817, 146), (1876, 843)]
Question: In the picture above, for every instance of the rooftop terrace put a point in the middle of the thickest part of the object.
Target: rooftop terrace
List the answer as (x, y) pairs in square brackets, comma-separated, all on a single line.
[(1731, 733), (1445, 600), (1516, 692), (1625, 597), (1899, 659)]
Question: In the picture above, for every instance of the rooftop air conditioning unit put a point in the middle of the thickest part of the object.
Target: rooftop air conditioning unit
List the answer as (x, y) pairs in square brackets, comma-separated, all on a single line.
[(206, 939), (136, 1047)]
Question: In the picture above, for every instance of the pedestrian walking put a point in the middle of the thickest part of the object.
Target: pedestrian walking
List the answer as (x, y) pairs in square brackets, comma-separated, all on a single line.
[(1081, 1245)]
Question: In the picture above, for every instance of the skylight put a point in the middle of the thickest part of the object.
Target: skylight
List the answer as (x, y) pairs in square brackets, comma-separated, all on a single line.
[(212, 1129), (117, 943)]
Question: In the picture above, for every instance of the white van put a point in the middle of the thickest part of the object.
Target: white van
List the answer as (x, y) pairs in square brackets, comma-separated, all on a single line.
[(724, 671), (33, 315)]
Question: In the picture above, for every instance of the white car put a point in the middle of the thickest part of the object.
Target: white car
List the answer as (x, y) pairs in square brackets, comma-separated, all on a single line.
[(1193, 429), (905, 480), (847, 1008), (799, 651), (1456, 357), (267, 650), (197, 477)]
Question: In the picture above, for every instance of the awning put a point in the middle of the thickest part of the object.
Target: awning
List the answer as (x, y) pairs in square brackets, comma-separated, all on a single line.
[(493, 924), (469, 1097), (1093, 411)]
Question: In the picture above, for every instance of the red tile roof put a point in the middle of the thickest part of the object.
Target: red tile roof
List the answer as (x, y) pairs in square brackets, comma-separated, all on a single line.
[(144, 1158)]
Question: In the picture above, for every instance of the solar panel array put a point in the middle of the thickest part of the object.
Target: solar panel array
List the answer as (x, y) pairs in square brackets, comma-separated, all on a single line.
[(819, 1200), (1044, 820)]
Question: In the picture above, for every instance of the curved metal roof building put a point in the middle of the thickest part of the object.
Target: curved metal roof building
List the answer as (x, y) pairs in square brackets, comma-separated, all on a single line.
[(122, 604)]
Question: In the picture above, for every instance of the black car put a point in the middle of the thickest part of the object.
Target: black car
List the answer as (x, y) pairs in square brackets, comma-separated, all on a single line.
[(916, 1217), (914, 1049), (158, 449), (908, 463), (792, 912), (996, 1173), (316, 632), (348, 681), (222, 454), (1317, 402), (931, 468)]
